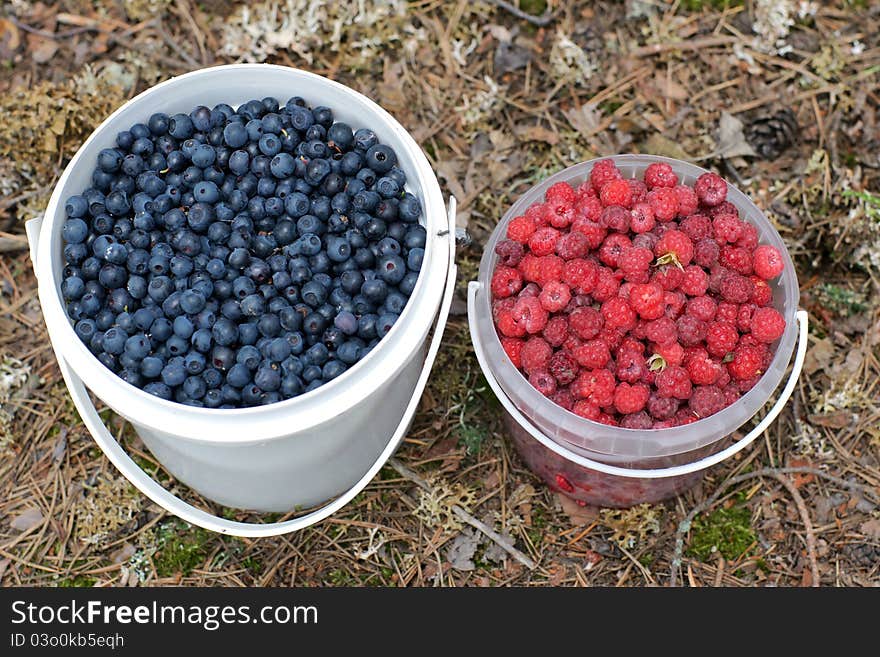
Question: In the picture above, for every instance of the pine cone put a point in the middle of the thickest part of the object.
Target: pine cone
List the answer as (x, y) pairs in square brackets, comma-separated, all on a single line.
[(772, 134)]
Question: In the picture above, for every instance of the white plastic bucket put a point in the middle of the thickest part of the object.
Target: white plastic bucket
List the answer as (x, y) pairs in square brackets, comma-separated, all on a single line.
[(325, 444), (612, 466)]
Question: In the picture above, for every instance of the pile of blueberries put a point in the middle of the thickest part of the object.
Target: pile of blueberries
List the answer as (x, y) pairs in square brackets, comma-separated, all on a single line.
[(228, 258)]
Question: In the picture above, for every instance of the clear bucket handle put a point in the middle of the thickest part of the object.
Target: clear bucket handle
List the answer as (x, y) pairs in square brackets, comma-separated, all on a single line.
[(633, 473)]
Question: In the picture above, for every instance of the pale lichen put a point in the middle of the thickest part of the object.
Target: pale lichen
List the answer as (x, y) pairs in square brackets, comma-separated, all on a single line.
[(569, 62), (108, 505), (631, 526), (773, 21), (436, 506)]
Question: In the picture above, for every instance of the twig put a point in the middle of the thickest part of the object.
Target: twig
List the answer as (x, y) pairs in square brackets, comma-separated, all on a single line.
[(719, 573), (695, 44), (463, 515), (12, 244), (808, 526), (541, 21), (685, 525)]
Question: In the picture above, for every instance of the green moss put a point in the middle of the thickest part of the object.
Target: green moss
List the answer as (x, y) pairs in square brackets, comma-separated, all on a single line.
[(610, 106), (181, 548), (78, 581), (647, 559), (533, 7), (254, 565), (724, 531), (699, 5), (841, 300)]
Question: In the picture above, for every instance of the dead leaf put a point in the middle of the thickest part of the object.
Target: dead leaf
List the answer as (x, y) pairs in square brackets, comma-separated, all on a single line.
[(124, 553), (9, 38), (42, 50), (510, 57), (669, 88), (27, 519), (871, 528), (731, 140), (801, 478), (585, 119), (657, 144), (462, 550), (819, 356), (536, 133), (835, 420), (577, 514)]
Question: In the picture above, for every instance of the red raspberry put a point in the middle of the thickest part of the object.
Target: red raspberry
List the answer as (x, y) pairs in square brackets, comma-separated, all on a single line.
[(661, 331), (535, 355), (596, 386), (675, 302), (691, 331), (563, 368), (640, 421), (767, 324), (605, 418), (631, 398), (721, 338), (748, 239), (529, 314), (611, 336), (716, 275), (697, 227), (673, 381), (580, 275), (560, 215), (556, 331), (589, 207), (609, 252), (506, 282), (702, 307), (563, 398), (671, 353), (595, 232), (585, 322), (530, 290), (694, 281), (687, 200), (724, 379), (548, 268), (618, 314), (521, 228), (509, 252), (647, 300), (543, 382), (543, 241), (606, 286), (710, 189), (508, 325), (528, 267), (586, 409), (642, 218), (513, 348), (615, 217), (726, 228), (706, 252), (735, 288), (747, 384), (604, 171), (631, 366), (660, 174), (668, 277), (560, 192), (554, 296), (592, 355), (676, 247), (746, 363), (736, 258), (631, 344), (726, 312), (639, 190), (664, 203), (502, 305), (706, 400), (744, 317), (768, 262), (762, 294), (537, 213), (635, 262), (725, 207), (572, 245), (662, 408), (616, 192), (703, 371)]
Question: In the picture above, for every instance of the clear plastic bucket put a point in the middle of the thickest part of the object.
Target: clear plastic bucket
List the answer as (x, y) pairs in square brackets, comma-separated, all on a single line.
[(612, 466)]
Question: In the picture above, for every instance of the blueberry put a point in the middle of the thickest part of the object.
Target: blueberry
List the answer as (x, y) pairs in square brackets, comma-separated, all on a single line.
[(194, 362), (282, 165), (270, 145), (224, 331), (235, 135), (74, 231), (137, 346), (206, 192), (203, 155), (364, 139), (202, 340), (151, 367), (194, 387), (408, 284), (158, 123), (180, 126), (414, 259), (238, 375), (409, 208), (201, 118), (109, 160), (76, 207), (332, 369)]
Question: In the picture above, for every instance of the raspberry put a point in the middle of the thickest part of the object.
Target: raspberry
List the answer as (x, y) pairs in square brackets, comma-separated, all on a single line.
[(509, 252), (748, 238), (691, 331), (513, 348), (631, 398), (725, 207), (744, 317), (646, 241), (635, 262), (560, 215), (640, 421), (530, 314), (502, 305), (616, 192), (697, 227), (607, 285), (580, 275), (630, 344), (747, 384), (726, 228), (746, 363), (589, 208), (660, 174), (706, 252), (661, 331), (563, 398), (596, 386), (548, 268), (721, 338), (561, 192), (586, 322), (528, 267), (762, 294), (530, 290), (716, 275), (710, 188), (556, 331), (616, 218), (631, 367), (673, 381), (563, 368), (694, 281), (662, 408), (675, 302), (572, 245), (609, 252), (641, 218), (668, 277), (604, 418), (674, 247), (767, 324), (604, 171), (586, 409), (594, 231), (664, 203), (702, 307), (592, 355), (543, 241), (703, 371), (646, 299), (543, 382), (506, 282), (735, 288), (508, 325), (618, 314), (736, 258), (671, 353), (726, 312), (554, 296), (706, 400), (521, 228), (639, 190), (537, 213), (768, 262), (535, 355), (687, 200)]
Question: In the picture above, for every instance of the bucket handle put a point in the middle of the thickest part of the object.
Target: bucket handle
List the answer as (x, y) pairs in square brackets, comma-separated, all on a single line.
[(173, 504), (633, 473)]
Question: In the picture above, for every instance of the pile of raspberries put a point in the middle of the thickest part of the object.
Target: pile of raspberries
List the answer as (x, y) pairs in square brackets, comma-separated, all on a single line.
[(642, 304)]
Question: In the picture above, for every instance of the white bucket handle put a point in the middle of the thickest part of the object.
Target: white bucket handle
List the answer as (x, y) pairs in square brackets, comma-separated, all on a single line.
[(173, 504), (633, 473)]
